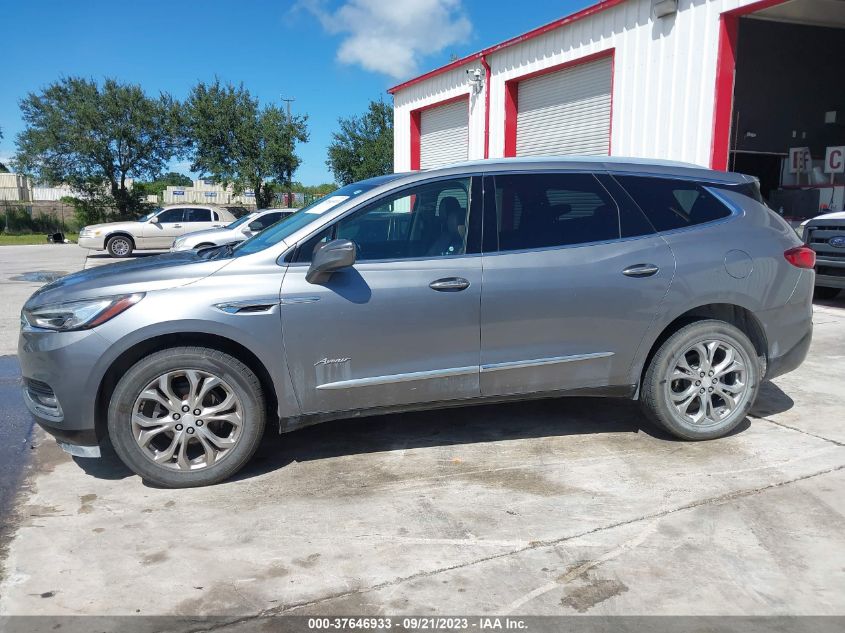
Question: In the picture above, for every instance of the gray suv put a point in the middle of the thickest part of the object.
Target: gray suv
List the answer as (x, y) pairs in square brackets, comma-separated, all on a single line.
[(498, 280)]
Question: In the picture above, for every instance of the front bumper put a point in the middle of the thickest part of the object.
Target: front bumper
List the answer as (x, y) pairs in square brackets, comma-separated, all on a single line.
[(94, 243), (830, 273), (61, 382)]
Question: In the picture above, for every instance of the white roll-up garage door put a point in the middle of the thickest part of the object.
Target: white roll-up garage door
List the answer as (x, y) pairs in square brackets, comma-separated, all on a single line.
[(566, 112), (444, 134)]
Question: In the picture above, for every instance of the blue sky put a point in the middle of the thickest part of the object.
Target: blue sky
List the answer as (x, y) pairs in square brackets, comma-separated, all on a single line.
[(331, 56)]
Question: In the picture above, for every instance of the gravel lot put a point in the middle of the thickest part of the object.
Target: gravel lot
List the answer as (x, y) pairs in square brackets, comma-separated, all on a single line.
[(550, 507)]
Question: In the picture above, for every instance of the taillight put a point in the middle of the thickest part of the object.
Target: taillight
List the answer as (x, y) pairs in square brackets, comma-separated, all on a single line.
[(801, 256)]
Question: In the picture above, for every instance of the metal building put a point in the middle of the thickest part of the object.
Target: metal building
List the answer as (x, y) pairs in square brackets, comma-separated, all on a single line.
[(670, 79)]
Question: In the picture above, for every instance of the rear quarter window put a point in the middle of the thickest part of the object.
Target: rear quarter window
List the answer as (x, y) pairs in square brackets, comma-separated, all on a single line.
[(670, 203)]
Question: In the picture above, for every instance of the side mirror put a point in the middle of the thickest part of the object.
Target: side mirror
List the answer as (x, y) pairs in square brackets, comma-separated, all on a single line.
[(330, 257), (155, 220), (246, 230)]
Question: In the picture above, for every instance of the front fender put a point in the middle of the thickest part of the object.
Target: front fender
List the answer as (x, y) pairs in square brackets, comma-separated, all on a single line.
[(188, 312)]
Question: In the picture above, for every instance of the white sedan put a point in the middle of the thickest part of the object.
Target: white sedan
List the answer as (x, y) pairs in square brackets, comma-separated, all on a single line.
[(237, 231), (156, 230)]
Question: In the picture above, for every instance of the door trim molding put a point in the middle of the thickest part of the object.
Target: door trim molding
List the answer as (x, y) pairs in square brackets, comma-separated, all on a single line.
[(537, 362), (373, 381)]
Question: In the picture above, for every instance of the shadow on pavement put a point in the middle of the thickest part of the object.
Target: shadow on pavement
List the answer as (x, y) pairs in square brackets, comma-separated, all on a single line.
[(443, 427), (15, 431), (134, 255), (771, 400)]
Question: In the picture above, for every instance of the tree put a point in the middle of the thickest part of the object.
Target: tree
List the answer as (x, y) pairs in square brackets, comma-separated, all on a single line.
[(157, 186), (235, 141), (96, 137), (363, 147), (3, 168)]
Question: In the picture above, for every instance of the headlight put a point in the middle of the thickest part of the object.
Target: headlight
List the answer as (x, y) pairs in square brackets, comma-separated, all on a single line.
[(178, 242), (87, 232), (79, 315)]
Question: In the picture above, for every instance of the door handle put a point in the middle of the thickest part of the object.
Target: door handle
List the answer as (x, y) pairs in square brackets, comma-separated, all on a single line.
[(449, 284), (177, 226), (641, 270)]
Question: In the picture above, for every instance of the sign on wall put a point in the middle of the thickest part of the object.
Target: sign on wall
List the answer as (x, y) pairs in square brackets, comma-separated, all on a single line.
[(834, 160), (800, 160)]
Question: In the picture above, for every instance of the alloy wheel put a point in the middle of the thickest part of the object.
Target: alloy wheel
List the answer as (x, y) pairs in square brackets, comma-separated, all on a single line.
[(707, 382), (187, 419)]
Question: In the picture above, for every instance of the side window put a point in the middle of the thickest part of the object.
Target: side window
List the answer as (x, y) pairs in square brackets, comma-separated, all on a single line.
[(427, 220), (556, 209), (673, 204), (197, 215), (171, 215), (632, 221), (264, 221)]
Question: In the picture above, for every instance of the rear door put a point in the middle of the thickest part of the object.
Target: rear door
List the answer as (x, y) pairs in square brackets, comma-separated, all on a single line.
[(571, 283), (198, 219), (402, 325)]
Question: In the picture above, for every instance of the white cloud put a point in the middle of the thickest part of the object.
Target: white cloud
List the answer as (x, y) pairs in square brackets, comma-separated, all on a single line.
[(391, 36)]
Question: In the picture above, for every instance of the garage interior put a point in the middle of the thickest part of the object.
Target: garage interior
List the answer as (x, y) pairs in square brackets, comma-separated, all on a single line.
[(789, 92)]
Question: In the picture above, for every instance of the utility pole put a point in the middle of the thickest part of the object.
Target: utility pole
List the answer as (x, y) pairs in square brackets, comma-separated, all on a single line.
[(288, 101)]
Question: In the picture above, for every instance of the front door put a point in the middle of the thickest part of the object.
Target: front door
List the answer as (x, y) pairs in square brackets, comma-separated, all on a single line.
[(402, 325), (572, 281), (162, 233)]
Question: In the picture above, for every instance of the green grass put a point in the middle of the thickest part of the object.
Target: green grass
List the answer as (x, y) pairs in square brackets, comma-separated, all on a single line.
[(35, 238)]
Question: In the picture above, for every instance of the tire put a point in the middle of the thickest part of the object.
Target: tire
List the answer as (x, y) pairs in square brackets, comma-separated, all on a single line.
[(148, 402), (824, 293), (676, 356), (120, 246)]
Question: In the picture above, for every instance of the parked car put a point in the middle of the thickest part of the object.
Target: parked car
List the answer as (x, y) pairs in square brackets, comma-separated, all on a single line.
[(825, 234), (481, 282), (237, 231), (156, 230)]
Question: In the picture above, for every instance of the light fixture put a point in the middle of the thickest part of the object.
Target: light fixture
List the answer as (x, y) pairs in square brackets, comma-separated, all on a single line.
[(662, 8), (476, 79)]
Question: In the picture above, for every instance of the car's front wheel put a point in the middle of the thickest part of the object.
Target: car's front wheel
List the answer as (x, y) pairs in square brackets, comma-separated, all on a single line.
[(119, 246), (702, 381), (187, 416)]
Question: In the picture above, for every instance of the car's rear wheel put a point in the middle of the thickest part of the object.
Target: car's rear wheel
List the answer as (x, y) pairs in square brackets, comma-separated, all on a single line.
[(187, 416), (824, 293), (119, 246), (702, 381)]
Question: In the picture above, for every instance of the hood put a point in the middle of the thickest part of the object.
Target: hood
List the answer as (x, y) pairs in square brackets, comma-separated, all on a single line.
[(144, 274), (111, 226), (835, 215)]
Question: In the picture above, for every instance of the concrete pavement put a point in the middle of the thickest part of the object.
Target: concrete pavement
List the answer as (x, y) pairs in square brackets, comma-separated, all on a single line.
[(551, 507)]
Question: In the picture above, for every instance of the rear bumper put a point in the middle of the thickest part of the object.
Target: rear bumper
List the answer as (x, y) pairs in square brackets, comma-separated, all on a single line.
[(789, 360), (789, 328)]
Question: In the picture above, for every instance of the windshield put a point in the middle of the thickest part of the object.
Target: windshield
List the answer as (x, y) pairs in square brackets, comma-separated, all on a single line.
[(145, 218), (289, 225), (240, 221)]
